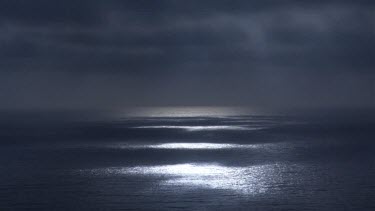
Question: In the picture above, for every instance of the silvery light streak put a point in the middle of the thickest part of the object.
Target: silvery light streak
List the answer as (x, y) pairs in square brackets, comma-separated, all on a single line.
[(187, 146), (195, 146), (244, 180), (200, 128), (199, 146)]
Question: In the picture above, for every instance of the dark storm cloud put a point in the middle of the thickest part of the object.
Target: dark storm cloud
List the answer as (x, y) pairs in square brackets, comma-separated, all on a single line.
[(184, 51)]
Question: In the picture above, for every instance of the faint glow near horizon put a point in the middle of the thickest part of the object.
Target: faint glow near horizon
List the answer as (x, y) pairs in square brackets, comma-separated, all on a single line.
[(187, 111), (244, 180), (201, 146)]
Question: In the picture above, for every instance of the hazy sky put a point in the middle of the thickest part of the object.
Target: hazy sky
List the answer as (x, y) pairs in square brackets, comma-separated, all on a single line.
[(111, 54)]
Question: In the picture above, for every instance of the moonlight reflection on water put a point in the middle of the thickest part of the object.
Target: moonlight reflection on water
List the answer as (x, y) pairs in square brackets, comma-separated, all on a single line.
[(200, 146), (243, 180), (188, 146), (200, 128), (111, 166)]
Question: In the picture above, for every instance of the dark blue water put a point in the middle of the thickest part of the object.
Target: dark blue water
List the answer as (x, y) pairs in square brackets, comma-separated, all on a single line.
[(211, 163)]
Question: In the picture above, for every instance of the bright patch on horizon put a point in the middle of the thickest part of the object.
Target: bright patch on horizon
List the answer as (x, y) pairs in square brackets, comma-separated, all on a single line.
[(186, 111)]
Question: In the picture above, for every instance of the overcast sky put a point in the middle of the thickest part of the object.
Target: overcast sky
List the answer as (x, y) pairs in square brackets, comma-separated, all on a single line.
[(111, 54)]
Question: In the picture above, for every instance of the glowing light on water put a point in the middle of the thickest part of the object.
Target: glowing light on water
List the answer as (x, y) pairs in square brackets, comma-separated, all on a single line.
[(245, 180), (195, 146), (191, 146), (200, 128)]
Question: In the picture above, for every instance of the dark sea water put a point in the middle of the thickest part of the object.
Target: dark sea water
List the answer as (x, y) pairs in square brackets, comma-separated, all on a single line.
[(240, 162)]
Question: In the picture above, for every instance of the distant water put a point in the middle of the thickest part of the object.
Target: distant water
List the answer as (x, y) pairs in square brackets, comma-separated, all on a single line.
[(187, 162)]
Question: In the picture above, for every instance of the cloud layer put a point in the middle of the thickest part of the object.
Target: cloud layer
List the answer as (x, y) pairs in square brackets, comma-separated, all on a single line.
[(109, 54)]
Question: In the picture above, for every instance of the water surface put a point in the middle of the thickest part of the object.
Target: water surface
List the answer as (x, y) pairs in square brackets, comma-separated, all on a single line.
[(188, 162)]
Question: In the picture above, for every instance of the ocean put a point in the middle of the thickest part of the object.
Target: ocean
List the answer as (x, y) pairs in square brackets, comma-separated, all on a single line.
[(186, 162)]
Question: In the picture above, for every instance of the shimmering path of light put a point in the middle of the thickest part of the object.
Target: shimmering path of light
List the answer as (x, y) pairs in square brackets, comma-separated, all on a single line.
[(244, 180)]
